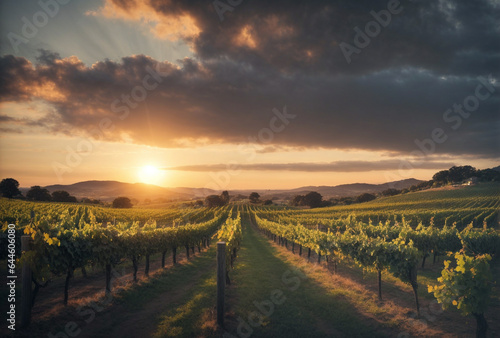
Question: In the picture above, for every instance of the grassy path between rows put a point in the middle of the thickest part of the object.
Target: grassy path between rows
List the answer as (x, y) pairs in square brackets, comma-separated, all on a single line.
[(270, 297), (168, 306)]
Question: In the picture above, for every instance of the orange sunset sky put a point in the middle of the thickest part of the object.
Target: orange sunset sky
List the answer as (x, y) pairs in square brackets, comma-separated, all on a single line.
[(260, 94)]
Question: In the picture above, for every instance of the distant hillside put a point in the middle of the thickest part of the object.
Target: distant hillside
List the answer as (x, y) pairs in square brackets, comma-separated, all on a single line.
[(343, 190), (354, 189), (108, 190)]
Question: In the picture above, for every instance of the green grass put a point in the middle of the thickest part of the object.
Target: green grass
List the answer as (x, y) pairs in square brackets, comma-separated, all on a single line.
[(193, 315), (309, 310), (194, 284), (172, 278)]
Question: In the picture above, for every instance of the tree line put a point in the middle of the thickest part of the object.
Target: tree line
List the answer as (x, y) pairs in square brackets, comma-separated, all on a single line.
[(9, 188), (454, 175)]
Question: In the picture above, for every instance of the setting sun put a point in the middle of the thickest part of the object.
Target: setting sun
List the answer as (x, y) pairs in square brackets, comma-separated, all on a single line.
[(150, 174)]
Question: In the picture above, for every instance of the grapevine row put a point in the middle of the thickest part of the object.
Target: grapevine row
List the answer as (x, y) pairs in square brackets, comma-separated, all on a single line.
[(59, 248), (230, 233)]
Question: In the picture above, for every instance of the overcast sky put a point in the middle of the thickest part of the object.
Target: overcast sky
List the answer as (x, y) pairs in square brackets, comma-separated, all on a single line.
[(285, 93)]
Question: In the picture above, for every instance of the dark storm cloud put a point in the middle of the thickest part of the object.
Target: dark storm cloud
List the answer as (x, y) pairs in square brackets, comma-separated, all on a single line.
[(338, 166), (393, 95), (4, 118), (446, 37)]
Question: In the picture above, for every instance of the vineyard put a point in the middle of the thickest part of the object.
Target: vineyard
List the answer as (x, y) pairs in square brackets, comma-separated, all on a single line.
[(389, 238), (477, 205)]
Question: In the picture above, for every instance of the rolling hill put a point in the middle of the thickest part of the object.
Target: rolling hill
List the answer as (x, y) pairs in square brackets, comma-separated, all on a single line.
[(108, 190)]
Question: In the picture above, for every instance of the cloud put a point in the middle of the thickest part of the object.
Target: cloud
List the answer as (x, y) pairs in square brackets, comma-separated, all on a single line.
[(446, 37), (223, 101), (277, 148), (337, 166), (4, 118), (171, 25), (392, 97)]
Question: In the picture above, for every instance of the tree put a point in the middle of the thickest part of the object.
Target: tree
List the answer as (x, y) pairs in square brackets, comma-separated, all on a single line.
[(326, 203), (390, 192), (297, 200), (346, 200), (254, 197), (9, 187), (424, 185), (455, 174), (90, 201), (488, 175), (366, 197), (63, 196), (268, 202), (334, 201), (214, 201), (313, 199), (468, 287), (122, 202), (37, 193), (225, 197), (441, 177), (460, 173)]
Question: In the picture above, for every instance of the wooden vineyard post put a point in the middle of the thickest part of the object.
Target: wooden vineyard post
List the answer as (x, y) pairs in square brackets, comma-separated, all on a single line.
[(146, 270), (108, 278), (379, 274), (221, 281), (26, 298), (163, 254)]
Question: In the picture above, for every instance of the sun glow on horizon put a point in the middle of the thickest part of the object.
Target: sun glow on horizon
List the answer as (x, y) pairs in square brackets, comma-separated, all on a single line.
[(150, 174)]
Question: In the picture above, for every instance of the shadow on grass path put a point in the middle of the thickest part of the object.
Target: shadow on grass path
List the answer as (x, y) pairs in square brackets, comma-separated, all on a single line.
[(270, 298), (166, 306)]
